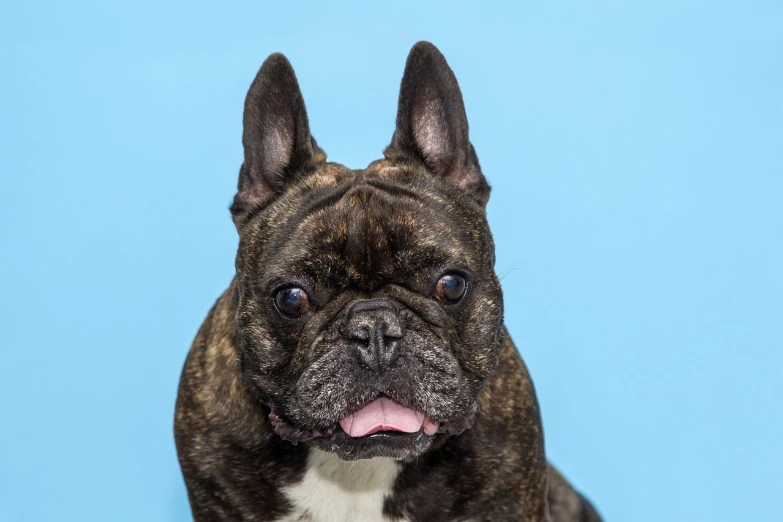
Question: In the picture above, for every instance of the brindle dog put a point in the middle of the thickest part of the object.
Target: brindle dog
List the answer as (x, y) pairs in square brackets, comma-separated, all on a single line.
[(357, 367)]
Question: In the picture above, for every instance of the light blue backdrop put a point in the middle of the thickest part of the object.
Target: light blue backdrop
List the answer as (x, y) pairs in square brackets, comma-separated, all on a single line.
[(636, 157)]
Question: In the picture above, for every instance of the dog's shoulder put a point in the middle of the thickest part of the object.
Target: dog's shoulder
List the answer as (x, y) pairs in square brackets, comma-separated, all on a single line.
[(565, 503), (211, 386), (233, 464)]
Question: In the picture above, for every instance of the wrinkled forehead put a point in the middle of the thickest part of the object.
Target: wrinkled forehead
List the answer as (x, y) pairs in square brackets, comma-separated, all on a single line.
[(364, 230)]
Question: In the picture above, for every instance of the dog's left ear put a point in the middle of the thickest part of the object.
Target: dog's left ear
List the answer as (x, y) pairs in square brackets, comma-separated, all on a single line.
[(432, 127)]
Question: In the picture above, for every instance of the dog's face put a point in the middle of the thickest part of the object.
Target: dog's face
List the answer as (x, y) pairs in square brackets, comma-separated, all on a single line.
[(369, 309)]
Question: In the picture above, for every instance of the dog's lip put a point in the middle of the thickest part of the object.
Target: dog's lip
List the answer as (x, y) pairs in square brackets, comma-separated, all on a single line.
[(394, 444)]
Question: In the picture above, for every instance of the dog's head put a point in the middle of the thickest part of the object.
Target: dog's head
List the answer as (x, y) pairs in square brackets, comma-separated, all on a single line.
[(369, 311)]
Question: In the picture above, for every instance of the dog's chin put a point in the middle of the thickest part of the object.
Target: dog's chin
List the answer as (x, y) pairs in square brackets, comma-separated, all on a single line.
[(391, 444)]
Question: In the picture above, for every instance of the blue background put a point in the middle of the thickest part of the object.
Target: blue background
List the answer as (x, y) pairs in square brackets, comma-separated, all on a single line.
[(636, 154)]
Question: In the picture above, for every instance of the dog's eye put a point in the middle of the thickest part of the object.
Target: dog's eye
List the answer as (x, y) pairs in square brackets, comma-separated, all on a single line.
[(292, 302), (451, 288)]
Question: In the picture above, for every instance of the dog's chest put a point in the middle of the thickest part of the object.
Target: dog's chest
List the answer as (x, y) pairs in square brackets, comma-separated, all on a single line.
[(334, 490)]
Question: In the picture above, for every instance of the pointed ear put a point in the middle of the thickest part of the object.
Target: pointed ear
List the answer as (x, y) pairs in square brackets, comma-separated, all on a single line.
[(276, 138), (431, 123)]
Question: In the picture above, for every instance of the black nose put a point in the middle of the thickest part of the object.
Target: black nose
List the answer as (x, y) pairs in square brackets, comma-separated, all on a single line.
[(376, 326)]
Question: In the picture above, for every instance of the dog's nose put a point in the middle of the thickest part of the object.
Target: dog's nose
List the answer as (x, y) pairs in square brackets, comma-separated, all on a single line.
[(376, 326)]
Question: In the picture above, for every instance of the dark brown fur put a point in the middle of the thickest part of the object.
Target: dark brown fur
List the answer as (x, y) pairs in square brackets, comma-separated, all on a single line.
[(386, 232)]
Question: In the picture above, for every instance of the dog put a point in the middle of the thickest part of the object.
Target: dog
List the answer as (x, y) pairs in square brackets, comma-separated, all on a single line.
[(357, 368)]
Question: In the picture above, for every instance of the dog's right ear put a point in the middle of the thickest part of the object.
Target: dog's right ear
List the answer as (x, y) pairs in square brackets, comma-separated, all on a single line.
[(276, 138)]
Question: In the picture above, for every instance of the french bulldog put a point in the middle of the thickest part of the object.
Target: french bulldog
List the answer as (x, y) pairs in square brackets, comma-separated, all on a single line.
[(357, 368)]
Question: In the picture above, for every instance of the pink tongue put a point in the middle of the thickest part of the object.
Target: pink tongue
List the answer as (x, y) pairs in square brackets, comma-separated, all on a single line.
[(386, 415)]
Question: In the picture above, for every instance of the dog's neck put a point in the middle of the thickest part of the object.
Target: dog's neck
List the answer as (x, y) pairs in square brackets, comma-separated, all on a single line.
[(333, 489)]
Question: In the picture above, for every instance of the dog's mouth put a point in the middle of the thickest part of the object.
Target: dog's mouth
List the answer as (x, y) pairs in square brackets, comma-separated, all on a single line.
[(385, 416), (380, 428)]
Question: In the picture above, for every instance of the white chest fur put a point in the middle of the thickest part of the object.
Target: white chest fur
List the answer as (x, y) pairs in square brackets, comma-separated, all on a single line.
[(334, 490)]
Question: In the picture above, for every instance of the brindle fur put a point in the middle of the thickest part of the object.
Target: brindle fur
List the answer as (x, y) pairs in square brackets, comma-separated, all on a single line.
[(387, 231)]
